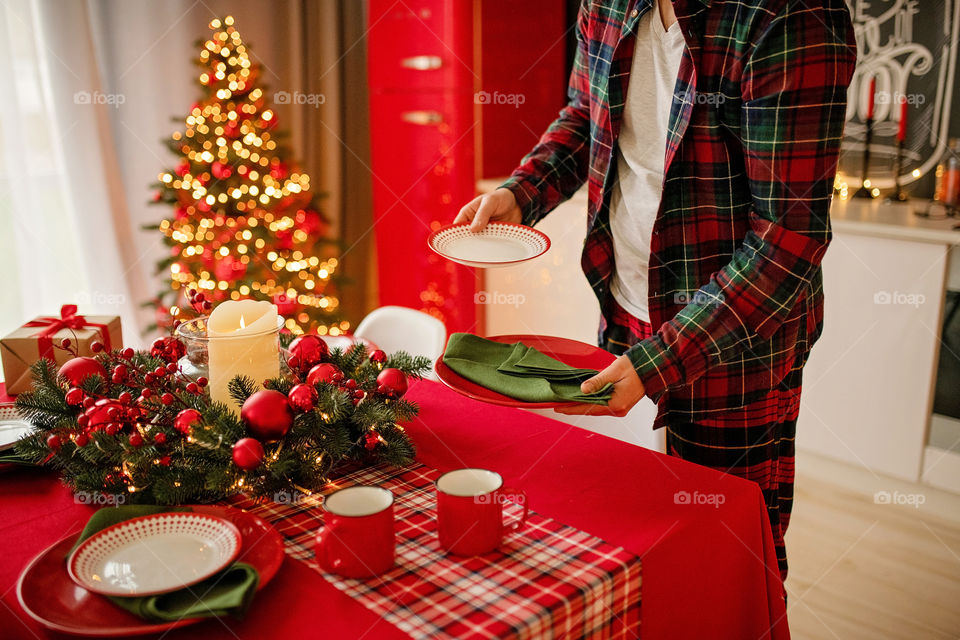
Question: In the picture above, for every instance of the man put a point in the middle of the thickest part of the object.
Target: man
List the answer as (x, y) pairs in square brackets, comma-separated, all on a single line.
[(708, 132)]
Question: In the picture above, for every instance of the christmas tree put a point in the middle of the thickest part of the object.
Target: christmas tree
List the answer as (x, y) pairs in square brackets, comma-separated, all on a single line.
[(245, 222)]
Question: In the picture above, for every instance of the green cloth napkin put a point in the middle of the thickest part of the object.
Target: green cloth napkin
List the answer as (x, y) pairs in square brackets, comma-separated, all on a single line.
[(10, 456), (227, 592), (519, 371)]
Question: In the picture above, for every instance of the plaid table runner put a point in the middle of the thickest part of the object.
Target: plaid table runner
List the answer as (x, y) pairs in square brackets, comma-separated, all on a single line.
[(548, 580)]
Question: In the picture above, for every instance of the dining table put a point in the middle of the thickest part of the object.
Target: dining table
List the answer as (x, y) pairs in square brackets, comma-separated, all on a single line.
[(701, 538)]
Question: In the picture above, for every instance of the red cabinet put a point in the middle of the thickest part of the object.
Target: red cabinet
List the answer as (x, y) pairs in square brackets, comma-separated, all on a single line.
[(458, 90)]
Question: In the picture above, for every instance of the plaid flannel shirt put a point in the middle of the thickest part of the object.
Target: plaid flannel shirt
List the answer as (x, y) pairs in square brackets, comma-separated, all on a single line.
[(754, 136)]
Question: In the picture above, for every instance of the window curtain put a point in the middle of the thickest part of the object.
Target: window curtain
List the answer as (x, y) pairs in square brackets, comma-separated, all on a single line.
[(94, 87)]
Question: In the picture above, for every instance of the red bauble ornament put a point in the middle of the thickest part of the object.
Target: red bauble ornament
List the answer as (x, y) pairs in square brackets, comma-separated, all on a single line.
[(303, 397), (286, 305), (169, 349), (74, 397), (136, 439), (323, 372), (392, 382), (53, 441), (102, 413), (279, 171), (378, 357), (267, 415), (371, 440), (165, 461), (248, 453), (82, 440), (186, 420), (221, 171), (306, 351), (229, 269), (311, 222), (76, 370)]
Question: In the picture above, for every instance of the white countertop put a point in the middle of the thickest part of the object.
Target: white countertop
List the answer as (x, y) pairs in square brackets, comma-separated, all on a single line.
[(860, 216), (891, 220)]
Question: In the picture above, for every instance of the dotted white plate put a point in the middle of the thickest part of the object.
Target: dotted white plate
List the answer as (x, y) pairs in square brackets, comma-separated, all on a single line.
[(499, 244), (12, 426), (154, 554)]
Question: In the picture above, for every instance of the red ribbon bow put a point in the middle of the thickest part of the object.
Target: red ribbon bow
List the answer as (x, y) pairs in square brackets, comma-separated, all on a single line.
[(68, 320)]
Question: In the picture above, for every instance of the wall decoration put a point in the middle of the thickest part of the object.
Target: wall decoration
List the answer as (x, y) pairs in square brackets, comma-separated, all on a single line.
[(910, 48)]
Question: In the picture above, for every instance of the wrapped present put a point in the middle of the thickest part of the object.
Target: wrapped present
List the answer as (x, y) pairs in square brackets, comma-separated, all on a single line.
[(40, 338)]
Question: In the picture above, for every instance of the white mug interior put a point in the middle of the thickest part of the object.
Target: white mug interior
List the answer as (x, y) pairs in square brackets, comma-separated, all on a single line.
[(358, 501), (469, 482)]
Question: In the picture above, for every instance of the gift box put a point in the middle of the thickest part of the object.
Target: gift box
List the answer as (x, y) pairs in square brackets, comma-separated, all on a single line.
[(40, 338)]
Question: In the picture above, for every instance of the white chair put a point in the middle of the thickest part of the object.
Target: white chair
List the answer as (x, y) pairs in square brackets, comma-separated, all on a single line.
[(402, 329)]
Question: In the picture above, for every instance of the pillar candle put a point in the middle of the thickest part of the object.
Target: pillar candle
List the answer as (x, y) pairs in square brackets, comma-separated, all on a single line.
[(242, 341), (902, 131)]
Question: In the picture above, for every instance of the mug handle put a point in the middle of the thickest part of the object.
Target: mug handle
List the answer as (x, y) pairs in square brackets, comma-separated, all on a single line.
[(320, 548), (515, 526)]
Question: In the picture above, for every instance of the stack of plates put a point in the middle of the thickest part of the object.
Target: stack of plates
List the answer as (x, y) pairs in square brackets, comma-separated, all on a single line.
[(138, 557)]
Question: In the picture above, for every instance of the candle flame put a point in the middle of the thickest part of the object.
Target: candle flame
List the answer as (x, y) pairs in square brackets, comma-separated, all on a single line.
[(242, 323)]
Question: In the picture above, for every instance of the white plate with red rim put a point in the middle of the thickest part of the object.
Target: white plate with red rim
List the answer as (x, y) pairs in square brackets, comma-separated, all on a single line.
[(500, 244), (154, 554)]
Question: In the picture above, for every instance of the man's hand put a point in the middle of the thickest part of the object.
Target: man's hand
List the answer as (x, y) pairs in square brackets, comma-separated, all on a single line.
[(498, 205), (627, 391)]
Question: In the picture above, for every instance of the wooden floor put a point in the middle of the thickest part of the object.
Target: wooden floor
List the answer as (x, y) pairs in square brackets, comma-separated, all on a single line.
[(860, 568)]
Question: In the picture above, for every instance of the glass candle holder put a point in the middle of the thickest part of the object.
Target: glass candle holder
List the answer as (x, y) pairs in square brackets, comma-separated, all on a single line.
[(240, 355)]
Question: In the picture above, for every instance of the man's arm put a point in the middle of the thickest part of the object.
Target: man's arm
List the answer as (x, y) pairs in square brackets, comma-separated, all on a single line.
[(794, 102), (557, 166)]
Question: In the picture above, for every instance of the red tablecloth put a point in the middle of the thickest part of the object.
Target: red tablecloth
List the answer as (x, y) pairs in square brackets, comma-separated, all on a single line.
[(709, 569)]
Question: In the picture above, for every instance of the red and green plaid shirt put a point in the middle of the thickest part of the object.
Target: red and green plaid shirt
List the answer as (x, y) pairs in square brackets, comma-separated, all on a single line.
[(754, 135)]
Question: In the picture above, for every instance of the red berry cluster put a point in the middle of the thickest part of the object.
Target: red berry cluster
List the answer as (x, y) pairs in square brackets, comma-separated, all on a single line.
[(143, 391), (326, 372), (198, 301), (168, 349)]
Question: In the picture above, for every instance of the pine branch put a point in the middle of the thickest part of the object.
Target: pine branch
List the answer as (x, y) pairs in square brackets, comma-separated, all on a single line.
[(241, 388)]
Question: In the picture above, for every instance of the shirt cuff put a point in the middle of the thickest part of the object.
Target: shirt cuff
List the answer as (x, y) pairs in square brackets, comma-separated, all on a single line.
[(526, 196), (658, 368)]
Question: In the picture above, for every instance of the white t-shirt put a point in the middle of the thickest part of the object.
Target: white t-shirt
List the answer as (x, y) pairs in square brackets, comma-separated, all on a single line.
[(643, 141)]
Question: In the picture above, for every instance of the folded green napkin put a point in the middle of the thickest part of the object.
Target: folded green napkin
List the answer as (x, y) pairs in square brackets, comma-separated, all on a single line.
[(519, 371), (10, 456), (226, 592)]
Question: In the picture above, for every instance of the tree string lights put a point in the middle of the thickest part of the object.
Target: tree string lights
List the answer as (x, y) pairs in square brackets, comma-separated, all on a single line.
[(245, 222)]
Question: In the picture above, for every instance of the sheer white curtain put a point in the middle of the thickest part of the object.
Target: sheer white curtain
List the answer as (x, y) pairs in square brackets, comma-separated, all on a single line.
[(66, 231)]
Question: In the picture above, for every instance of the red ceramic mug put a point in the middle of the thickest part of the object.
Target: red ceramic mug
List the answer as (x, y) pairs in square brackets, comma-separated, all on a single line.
[(357, 540), (470, 510)]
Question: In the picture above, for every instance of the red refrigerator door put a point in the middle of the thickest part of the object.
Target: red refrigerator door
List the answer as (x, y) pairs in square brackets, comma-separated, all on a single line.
[(423, 171), (421, 44)]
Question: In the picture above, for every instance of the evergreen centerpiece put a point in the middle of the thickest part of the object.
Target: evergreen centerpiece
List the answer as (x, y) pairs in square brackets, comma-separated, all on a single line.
[(245, 222), (131, 424)]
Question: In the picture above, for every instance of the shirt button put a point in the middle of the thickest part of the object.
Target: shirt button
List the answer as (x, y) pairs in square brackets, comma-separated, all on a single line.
[(634, 13)]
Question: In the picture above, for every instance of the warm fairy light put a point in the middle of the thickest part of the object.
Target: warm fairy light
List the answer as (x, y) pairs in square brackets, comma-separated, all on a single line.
[(916, 173)]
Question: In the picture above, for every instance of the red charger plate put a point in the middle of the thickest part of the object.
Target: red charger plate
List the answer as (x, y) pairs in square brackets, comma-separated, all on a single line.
[(50, 597), (576, 354)]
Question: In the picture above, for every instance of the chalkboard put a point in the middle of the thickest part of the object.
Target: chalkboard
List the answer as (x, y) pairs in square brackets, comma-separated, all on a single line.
[(910, 47)]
